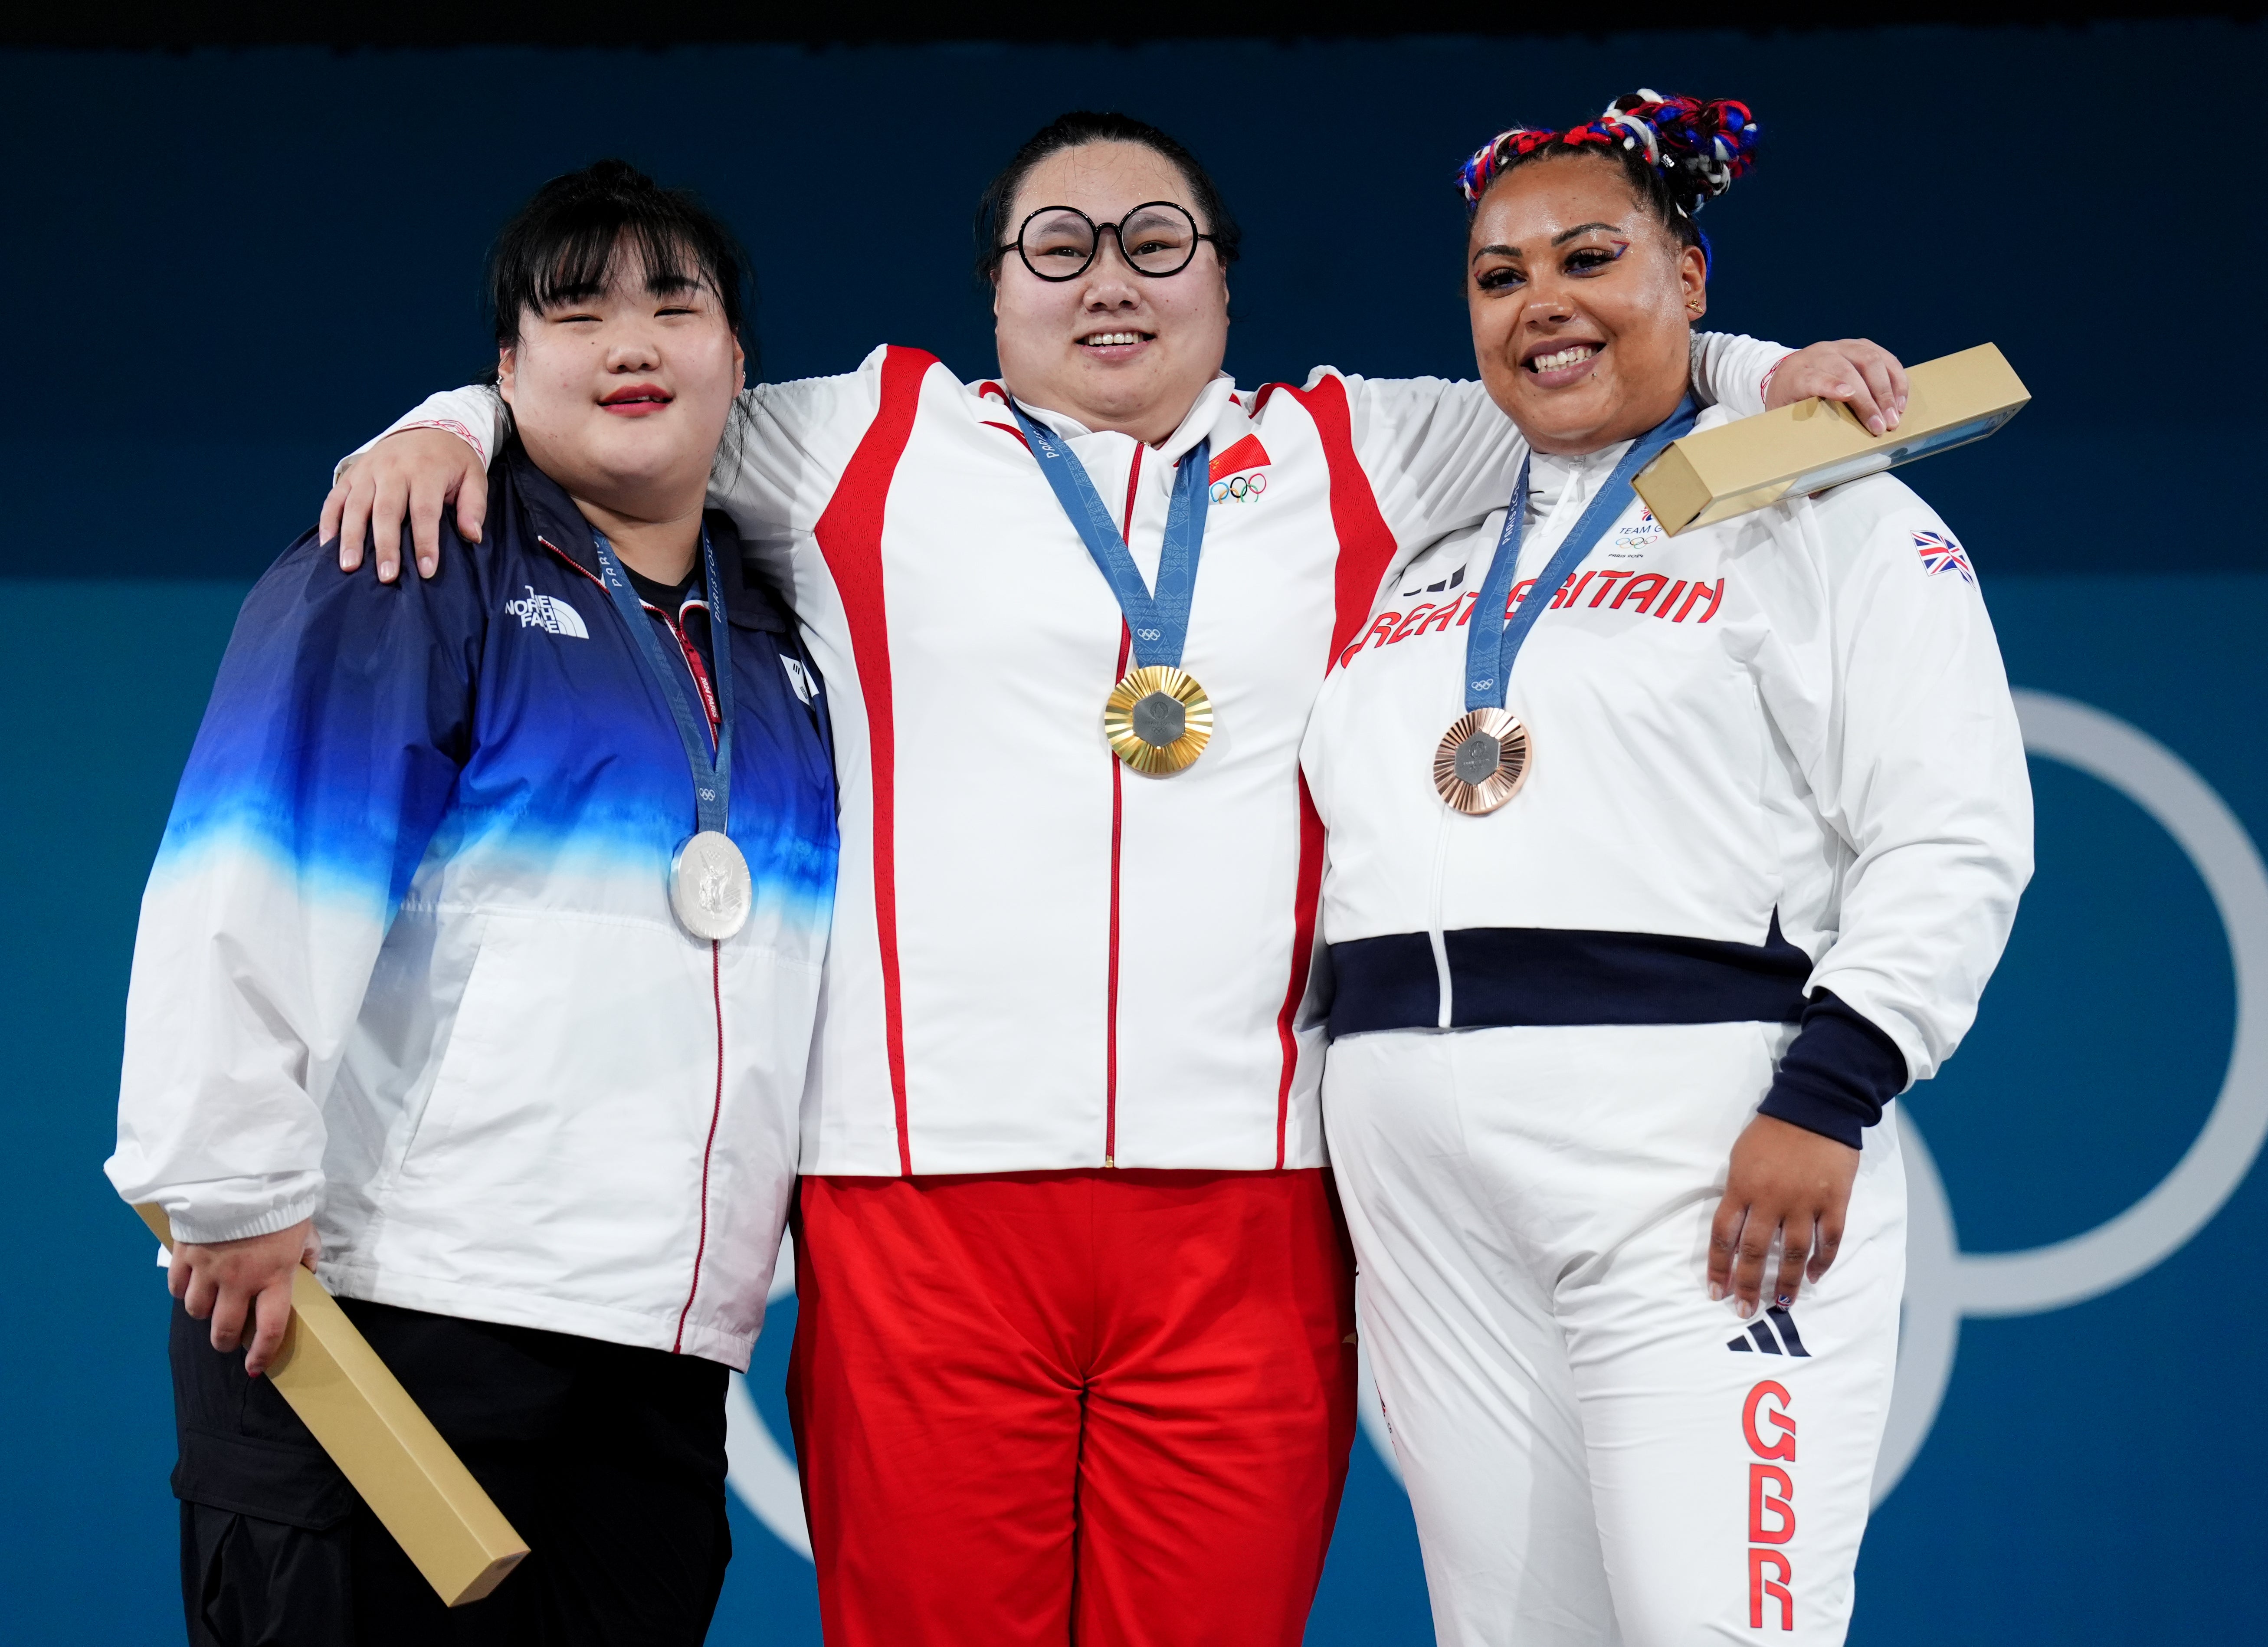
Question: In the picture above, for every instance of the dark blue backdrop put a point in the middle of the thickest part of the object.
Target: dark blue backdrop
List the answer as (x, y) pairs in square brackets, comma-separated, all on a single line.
[(225, 267)]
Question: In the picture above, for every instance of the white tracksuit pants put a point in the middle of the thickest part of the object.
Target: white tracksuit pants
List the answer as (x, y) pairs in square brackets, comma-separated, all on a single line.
[(1596, 1453)]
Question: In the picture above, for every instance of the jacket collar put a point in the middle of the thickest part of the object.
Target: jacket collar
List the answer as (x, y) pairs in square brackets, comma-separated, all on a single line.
[(553, 521), (1216, 401)]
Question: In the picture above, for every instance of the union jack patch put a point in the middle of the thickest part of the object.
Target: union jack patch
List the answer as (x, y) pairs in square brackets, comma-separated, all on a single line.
[(1940, 553)]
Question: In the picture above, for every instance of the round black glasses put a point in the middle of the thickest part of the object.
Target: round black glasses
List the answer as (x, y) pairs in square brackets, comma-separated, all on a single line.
[(1060, 242)]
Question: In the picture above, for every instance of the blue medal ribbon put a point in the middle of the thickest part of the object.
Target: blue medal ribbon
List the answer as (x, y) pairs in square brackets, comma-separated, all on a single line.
[(1494, 641), (1157, 621), (713, 777)]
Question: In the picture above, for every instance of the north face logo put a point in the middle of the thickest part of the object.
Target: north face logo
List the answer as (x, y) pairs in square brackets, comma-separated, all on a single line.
[(547, 612), (1765, 1339)]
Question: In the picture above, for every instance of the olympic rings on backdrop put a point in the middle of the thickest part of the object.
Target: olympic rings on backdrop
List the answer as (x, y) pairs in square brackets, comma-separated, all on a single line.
[(1944, 1285)]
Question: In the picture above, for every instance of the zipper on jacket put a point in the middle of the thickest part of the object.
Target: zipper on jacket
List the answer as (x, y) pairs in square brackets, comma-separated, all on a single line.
[(708, 703), (709, 1145), (1571, 496), (1433, 918), (1118, 833), (701, 681)]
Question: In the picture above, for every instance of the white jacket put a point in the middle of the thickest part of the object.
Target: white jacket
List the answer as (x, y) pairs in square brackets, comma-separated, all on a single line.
[(1798, 715), (407, 963), (1040, 960)]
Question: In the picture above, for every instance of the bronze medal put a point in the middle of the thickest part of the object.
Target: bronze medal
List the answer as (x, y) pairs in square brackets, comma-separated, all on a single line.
[(1158, 720), (1481, 760), (1484, 756)]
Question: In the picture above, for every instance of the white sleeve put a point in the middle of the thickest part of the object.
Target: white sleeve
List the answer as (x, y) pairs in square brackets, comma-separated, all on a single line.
[(474, 414), (785, 448), (785, 457), (1731, 369), (1890, 692), (1440, 456), (326, 759)]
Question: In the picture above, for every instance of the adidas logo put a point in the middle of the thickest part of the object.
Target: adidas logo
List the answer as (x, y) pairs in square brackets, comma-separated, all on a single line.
[(1784, 1342), (547, 612), (1449, 582)]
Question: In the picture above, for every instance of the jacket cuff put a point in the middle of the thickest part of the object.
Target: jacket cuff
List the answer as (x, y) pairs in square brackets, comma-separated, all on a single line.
[(1837, 1075), (188, 1227)]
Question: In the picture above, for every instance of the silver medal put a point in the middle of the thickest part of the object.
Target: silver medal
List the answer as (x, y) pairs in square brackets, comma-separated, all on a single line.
[(710, 887)]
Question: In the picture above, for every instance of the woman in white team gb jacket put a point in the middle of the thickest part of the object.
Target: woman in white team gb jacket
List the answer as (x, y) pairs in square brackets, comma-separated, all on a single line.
[(1767, 824), (1073, 1355)]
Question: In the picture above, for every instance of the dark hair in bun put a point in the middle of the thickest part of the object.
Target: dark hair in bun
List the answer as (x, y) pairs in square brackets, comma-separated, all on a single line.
[(1680, 154)]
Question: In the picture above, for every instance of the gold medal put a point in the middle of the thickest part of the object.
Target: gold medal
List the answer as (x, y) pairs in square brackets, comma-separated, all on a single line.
[(1482, 761), (1158, 720)]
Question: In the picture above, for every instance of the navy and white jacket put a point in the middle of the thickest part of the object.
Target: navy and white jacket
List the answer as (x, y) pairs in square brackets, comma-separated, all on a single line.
[(407, 962), (1778, 778)]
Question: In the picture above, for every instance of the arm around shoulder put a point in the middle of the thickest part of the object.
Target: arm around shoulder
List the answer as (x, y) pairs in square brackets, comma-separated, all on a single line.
[(790, 446)]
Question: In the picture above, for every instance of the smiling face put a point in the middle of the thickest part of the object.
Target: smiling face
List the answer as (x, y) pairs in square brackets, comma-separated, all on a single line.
[(1115, 349), (1582, 304), (621, 396)]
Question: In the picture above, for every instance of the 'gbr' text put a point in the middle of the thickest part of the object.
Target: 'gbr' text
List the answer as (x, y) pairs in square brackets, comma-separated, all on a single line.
[(1768, 1428)]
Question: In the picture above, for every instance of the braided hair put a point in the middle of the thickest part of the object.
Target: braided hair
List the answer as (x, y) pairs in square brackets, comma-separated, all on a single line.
[(1679, 152)]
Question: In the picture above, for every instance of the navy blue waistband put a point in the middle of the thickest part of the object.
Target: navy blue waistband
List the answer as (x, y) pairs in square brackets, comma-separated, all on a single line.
[(1501, 976)]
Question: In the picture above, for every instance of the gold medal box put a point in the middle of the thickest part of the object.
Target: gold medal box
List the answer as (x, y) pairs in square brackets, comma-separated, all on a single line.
[(1756, 462), (387, 1449)]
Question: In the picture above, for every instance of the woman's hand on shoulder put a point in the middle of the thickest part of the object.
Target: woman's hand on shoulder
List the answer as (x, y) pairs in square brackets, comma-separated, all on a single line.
[(1862, 374), (414, 475)]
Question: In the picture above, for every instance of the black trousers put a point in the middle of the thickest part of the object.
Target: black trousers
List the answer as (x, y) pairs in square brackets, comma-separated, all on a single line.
[(609, 1460)]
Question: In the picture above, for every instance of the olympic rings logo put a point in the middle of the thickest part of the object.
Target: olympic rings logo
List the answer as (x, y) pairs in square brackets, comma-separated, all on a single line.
[(1944, 1285), (1238, 488)]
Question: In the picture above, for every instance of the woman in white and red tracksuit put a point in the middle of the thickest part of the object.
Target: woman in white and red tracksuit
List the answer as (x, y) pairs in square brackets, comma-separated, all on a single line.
[(1610, 1059), (1075, 1349)]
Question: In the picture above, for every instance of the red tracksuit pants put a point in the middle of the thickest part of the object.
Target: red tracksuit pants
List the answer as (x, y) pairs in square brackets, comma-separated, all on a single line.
[(1099, 1407)]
